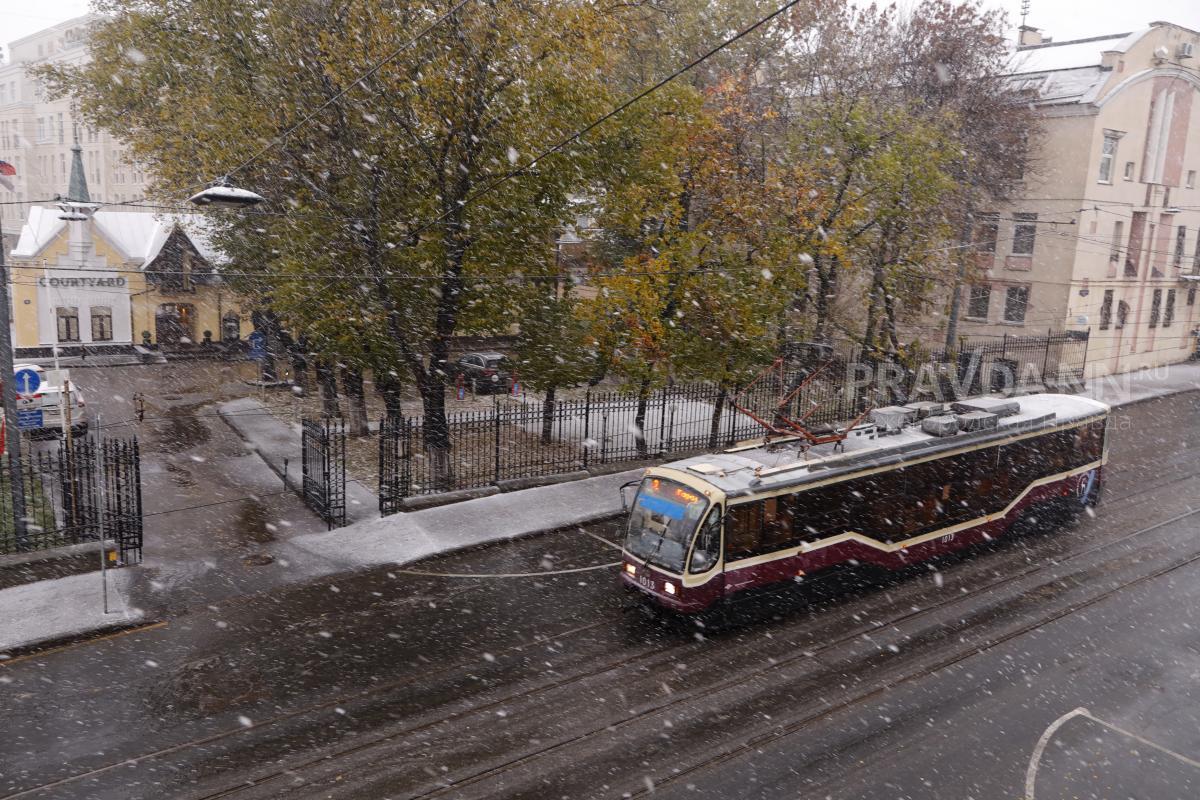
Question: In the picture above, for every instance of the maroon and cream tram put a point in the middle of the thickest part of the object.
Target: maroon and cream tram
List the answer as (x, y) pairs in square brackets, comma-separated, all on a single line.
[(917, 482)]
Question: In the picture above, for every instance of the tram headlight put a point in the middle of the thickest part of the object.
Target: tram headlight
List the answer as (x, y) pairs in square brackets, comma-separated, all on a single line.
[(669, 587), (631, 569)]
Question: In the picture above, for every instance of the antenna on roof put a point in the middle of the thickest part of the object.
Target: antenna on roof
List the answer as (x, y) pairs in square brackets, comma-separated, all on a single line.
[(1024, 11)]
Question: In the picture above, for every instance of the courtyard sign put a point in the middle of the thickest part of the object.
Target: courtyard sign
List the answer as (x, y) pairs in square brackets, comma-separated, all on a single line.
[(79, 283)]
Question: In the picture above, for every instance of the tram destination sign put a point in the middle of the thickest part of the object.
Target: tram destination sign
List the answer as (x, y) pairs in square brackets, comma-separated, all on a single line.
[(80, 283)]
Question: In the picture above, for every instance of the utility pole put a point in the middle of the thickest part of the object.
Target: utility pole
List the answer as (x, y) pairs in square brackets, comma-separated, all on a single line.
[(13, 439), (965, 251)]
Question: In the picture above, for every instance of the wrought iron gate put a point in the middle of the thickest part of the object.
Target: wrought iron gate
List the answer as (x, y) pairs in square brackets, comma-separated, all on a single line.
[(323, 461), (121, 471), (72, 494), (394, 461)]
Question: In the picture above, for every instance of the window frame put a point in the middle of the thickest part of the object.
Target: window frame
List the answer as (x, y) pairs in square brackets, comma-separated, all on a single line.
[(1009, 304), (1155, 307), (1024, 230), (1169, 309), (105, 317), (70, 319), (1108, 157), (1106, 309), (979, 292)]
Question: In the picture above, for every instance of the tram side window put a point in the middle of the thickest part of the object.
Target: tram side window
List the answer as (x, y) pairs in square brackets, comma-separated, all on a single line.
[(820, 513), (1089, 442), (743, 531), (777, 524), (877, 500)]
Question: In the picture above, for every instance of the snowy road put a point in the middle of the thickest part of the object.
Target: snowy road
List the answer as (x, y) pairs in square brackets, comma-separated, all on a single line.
[(962, 683)]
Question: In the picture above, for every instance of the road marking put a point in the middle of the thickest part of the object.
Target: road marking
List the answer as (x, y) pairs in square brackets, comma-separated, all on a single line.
[(613, 545), (116, 634), (1039, 749), (538, 574)]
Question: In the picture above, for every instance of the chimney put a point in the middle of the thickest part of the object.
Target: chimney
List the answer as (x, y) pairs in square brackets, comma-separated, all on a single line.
[(1027, 35)]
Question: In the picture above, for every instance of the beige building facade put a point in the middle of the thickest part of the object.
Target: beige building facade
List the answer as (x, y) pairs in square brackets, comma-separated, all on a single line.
[(118, 278), (1106, 234), (36, 135)]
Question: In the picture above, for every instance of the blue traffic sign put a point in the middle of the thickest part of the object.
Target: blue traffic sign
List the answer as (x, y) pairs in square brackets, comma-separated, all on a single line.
[(258, 345), (30, 420), (27, 381)]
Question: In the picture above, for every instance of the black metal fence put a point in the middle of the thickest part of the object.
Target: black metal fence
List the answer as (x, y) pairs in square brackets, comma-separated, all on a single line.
[(323, 463), (72, 493), (535, 438)]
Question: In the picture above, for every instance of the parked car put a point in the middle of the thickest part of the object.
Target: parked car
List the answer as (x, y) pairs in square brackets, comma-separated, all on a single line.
[(49, 400), (484, 372)]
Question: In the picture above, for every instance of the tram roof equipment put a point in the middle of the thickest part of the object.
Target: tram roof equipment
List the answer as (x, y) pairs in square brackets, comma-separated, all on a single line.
[(757, 466)]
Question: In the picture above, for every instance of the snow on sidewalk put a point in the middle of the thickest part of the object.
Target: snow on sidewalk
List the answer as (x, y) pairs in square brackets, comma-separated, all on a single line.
[(1143, 384), (51, 610), (406, 537)]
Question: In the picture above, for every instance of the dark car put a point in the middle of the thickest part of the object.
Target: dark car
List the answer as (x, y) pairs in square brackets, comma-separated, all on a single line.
[(484, 372)]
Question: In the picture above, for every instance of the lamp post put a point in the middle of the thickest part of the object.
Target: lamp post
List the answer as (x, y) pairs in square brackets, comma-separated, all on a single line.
[(13, 430)]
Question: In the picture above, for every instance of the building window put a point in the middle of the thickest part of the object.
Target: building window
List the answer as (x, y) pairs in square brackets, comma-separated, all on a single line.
[(977, 302), (1122, 314), (1106, 310), (68, 323), (1024, 234), (1155, 308), (1128, 170), (1108, 155), (101, 324), (986, 232), (61, 131), (1180, 238), (1191, 179), (1169, 310), (1114, 252), (1016, 302)]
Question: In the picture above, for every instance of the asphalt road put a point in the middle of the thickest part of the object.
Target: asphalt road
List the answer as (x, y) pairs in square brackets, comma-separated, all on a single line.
[(1063, 662)]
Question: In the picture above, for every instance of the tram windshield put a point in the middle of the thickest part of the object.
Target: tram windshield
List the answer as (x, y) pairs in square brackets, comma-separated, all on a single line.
[(665, 516)]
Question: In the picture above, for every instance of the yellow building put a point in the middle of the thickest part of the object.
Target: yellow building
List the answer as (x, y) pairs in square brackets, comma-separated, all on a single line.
[(118, 278), (112, 278)]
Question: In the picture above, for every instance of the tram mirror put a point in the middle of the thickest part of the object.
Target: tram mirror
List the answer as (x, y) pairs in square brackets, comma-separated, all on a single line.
[(624, 500), (708, 544)]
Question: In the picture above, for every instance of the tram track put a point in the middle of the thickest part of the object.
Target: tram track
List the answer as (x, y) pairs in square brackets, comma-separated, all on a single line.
[(685, 698), (976, 649), (779, 664), (555, 685)]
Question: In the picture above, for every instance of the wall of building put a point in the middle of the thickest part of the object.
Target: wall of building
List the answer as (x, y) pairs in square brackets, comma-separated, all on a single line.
[(36, 134)]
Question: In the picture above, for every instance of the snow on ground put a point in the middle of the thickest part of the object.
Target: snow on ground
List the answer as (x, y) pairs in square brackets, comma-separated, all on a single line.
[(63, 607), (406, 537)]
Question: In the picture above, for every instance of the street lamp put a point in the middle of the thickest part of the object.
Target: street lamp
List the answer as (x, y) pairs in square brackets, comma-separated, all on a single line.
[(222, 194)]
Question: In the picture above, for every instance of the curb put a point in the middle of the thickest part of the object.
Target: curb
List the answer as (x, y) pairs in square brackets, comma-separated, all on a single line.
[(52, 643)]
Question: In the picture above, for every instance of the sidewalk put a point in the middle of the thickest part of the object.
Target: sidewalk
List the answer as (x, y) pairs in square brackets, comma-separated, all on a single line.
[(52, 611), (278, 444), (58, 609), (1133, 387)]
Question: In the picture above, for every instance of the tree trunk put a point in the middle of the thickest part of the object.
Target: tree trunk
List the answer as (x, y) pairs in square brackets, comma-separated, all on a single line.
[(548, 406), (327, 380), (389, 388), (356, 400), (714, 428), (639, 417)]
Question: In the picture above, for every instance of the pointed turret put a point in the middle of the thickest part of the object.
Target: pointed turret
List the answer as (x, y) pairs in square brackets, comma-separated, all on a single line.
[(77, 190)]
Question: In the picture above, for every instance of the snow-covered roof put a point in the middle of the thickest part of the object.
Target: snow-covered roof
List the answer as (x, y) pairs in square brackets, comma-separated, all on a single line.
[(738, 471), (138, 235), (1067, 72), (1067, 55)]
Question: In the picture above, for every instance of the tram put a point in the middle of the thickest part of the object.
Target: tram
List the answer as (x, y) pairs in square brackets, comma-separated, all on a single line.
[(916, 482)]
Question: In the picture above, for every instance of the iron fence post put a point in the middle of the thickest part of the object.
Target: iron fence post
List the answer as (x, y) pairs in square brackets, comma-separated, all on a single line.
[(587, 426), (1083, 366), (496, 417)]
